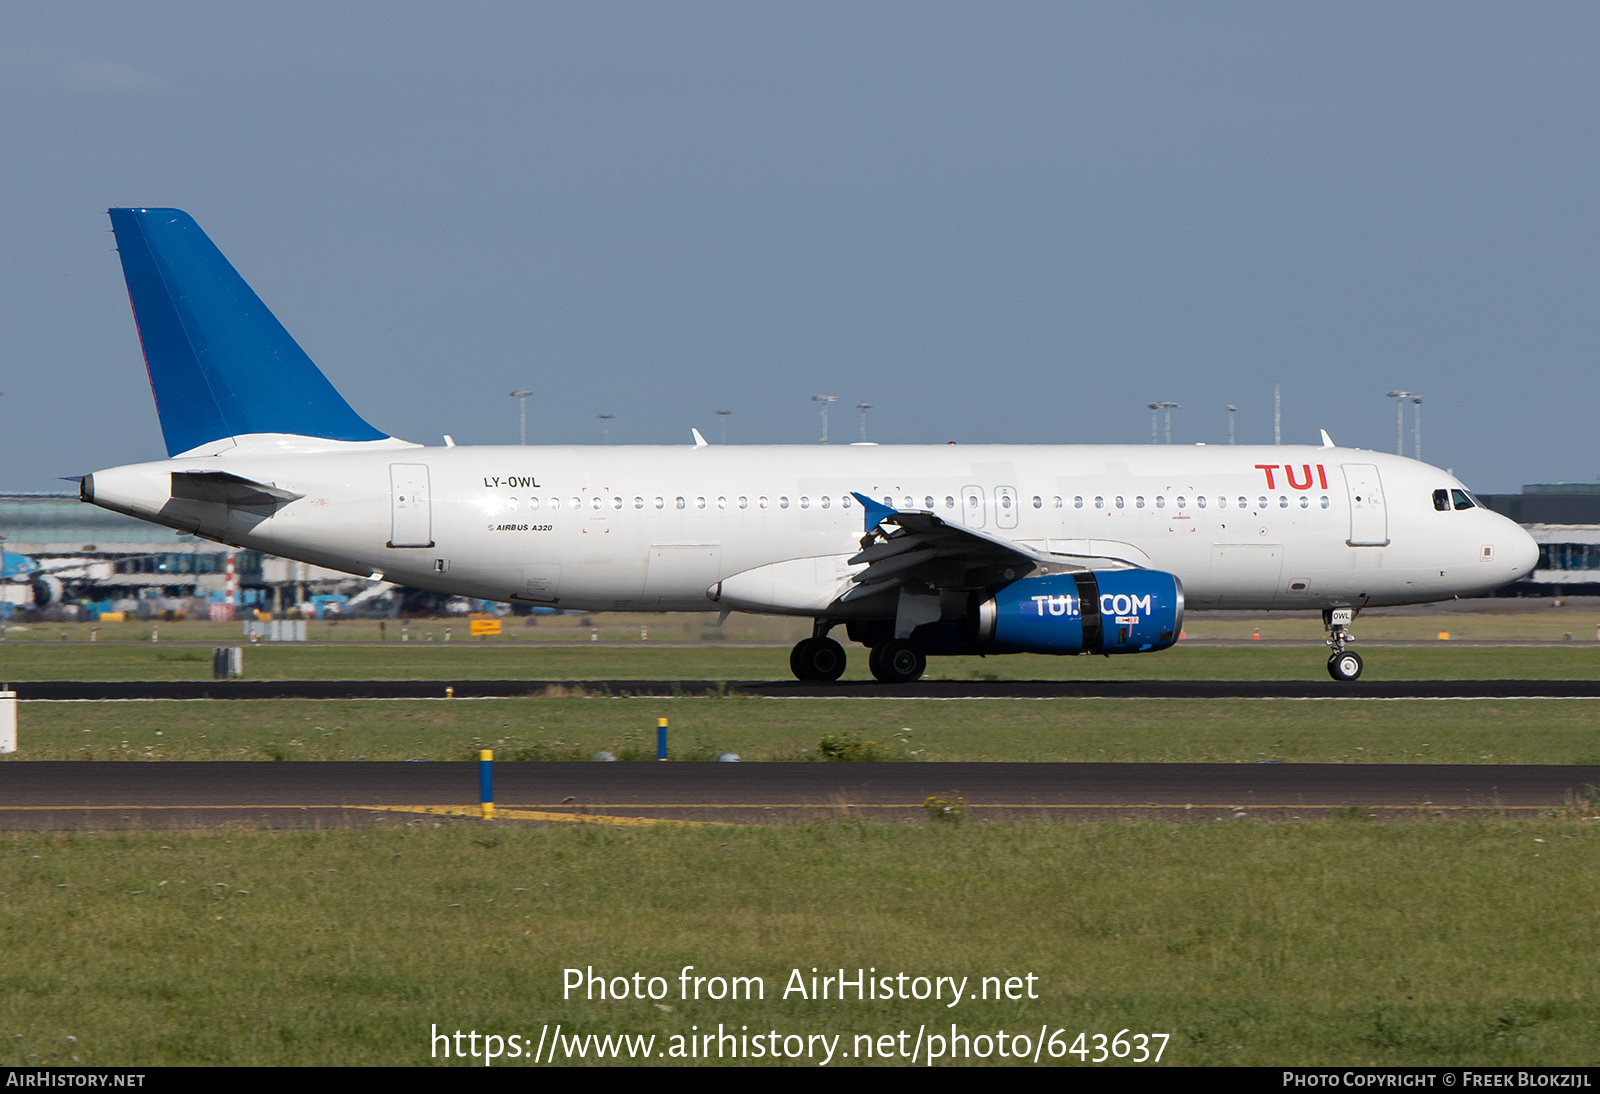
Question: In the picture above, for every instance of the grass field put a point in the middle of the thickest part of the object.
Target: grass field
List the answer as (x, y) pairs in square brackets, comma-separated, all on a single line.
[(1478, 620), (574, 728), (1337, 942), (466, 661)]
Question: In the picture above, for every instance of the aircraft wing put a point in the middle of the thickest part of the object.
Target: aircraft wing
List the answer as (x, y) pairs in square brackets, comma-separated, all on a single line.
[(916, 546)]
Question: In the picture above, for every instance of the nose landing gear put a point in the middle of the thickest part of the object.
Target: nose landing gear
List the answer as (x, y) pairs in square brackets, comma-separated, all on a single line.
[(1343, 665)]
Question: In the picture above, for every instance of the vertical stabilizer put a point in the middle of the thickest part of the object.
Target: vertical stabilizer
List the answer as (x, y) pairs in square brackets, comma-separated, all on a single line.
[(220, 364)]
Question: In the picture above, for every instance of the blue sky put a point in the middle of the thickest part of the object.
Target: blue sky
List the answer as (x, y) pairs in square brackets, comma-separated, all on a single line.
[(994, 223)]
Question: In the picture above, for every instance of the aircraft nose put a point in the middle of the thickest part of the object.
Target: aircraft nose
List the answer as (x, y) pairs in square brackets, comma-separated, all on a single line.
[(1524, 553)]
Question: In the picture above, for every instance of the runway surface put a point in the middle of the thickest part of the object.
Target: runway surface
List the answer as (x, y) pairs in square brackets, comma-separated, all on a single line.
[(67, 794), (922, 689)]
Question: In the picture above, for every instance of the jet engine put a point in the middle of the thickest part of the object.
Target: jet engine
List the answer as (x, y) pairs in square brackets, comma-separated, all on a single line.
[(1104, 611)]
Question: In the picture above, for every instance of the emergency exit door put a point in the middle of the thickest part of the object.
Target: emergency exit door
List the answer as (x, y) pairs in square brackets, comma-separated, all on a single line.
[(411, 509)]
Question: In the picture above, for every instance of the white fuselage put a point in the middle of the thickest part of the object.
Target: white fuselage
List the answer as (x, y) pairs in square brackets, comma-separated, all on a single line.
[(657, 528)]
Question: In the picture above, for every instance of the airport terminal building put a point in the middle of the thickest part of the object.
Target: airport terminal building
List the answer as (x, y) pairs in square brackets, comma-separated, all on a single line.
[(1564, 519), (63, 556)]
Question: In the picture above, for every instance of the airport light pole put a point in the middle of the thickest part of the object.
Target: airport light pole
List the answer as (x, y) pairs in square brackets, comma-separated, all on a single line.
[(1167, 408), (824, 400), (722, 415), (605, 427), (1416, 422), (1400, 398), (863, 407), (1231, 409), (522, 397)]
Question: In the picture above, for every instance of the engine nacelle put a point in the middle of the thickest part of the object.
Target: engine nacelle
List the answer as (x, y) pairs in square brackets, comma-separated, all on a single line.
[(1129, 611), (47, 590)]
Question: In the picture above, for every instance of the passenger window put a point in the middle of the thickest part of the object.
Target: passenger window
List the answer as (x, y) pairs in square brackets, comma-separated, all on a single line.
[(1441, 500), (1183, 502), (699, 503), (1161, 501), (1461, 499), (1138, 502), (1119, 501), (1099, 503), (1244, 503), (761, 502), (1038, 502), (555, 505), (1057, 501), (1305, 502), (826, 501), (599, 503), (845, 502), (1222, 503), (783, 503), (805, 503), (533, 503), (638, 503), (616, 502), (1324, 501), (744, 502), (1283, 502), (1077, 502), (681, 503), (1005, 501), (1201, 501), (949, 502), (722, 503)]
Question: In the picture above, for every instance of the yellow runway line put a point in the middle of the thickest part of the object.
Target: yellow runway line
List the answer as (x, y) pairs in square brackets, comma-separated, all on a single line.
[(541, 815)]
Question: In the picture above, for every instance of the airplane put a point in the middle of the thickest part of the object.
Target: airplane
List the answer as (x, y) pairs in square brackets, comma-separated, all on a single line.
[(916, 550)]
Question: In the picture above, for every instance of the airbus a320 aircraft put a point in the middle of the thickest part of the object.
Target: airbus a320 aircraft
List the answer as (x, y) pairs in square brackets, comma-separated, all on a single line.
[(915, 550)]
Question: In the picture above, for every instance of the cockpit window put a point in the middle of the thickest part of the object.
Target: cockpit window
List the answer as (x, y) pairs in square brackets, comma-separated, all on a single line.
[(1462, 500), (1441, 500)]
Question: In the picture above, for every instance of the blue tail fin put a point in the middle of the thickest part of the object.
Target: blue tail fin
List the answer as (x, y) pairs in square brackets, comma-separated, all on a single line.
[(220, 364)]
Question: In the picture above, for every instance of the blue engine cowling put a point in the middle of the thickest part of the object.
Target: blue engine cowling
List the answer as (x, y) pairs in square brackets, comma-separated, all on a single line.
[(1131, 611)]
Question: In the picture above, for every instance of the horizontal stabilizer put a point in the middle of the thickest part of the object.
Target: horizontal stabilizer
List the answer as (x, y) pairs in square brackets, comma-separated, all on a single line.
[(221, 488), (220, 364)]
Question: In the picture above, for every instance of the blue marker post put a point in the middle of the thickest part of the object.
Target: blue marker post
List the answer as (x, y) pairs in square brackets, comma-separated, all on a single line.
[(486, 781), (661, 738)]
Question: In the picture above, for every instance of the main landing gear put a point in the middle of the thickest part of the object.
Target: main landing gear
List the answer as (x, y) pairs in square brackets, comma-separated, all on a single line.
[(898, 661), (1343, 664), (818, 657)]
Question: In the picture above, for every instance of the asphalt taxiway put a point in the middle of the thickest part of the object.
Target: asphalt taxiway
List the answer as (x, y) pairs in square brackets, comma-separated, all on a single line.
[(843, 689)]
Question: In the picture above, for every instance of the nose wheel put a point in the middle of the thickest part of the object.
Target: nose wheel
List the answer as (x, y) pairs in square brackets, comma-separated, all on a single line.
[(1343, 665)]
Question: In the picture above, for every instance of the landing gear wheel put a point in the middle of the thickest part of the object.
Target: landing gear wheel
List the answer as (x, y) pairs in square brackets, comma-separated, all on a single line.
[(1345, 666), (898, 662), (873, 657), (817, 659)]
